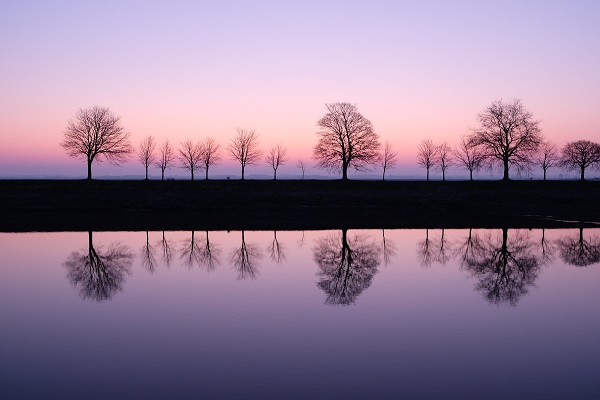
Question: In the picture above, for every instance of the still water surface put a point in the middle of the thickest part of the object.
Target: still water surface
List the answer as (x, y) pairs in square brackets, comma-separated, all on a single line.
[(316, 314)]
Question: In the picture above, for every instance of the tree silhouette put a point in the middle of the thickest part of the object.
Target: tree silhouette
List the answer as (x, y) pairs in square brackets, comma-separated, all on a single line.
[(209, 154), (96, 134), (200, 253), (508, 134), (346, 140), (190, 156), (167, 248), (276, 250), (302, 167), (276, 157), (504, 267), (427, 155), (346, 266), (469, 155), (244, 259), (430, 251), (444, 159), (547, 156), (244, 148), (99, 273), (467, 250), (148, 256), (147, 153), (389, 158), (579, 252), (548, 249), (580, 155), (166, 158)]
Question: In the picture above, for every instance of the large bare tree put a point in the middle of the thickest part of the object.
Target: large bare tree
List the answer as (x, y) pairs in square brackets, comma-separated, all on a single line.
[(96, 134), (276, 157), (508, 134), (209, 154), (346, 140), (147, 153), (469, 155), (580, 155), (547, 156), (389, 158), (244, 148), (190, 156), (444, 159), (427, 155), (166, 158)]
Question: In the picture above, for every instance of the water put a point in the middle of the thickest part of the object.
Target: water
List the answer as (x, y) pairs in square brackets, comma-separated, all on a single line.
[(316, 314)]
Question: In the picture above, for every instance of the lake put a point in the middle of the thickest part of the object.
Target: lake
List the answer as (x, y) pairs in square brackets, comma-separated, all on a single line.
[(352, 314)]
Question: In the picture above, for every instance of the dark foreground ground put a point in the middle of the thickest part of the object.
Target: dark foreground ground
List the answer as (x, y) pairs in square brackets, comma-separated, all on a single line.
[(48, 205)]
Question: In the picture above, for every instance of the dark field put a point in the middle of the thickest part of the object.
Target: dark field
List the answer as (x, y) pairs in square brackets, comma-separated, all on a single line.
[(48, 205)]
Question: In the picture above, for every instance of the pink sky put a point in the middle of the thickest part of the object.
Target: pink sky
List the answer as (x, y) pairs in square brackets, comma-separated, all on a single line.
[(417, 70)]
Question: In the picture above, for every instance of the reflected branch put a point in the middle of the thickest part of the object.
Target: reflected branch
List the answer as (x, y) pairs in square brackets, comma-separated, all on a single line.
[(579, 252), (148, 255), (276, 250), (244, 259)]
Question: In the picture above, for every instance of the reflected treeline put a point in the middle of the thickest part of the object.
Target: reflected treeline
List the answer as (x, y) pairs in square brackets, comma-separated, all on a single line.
[(99, 273), (346, 266), (505, 262)]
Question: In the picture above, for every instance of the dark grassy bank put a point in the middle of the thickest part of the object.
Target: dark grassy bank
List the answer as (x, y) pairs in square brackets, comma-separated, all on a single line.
[(47, 205)]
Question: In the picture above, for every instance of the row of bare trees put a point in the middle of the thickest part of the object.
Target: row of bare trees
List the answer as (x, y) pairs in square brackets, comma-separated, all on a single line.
[(507, 136)]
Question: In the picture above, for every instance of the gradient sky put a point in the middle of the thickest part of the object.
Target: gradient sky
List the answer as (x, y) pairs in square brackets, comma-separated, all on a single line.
[(191, 69)]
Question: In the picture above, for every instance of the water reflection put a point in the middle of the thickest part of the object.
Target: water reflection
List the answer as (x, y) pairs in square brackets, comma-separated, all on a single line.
[(245, 258), (505, 267), (201, 253), (167, 249), (148, 255), (434, 251), (99, 273), (276, 250), (346, 266), (388, 249), (575, 250)]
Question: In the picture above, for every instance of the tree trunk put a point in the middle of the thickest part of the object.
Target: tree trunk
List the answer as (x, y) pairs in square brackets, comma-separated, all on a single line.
[(242, 178), (162, 176), (544, 173), (582, 173), (505, 177), (146, 173), (427, 174), (471, 174), (274, 174), (383, 177), (89, 165), (443, 176), (206, 176), (344, 171), (192, 173)]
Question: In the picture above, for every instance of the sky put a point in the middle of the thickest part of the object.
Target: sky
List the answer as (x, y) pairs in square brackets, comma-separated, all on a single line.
[(182, 70)]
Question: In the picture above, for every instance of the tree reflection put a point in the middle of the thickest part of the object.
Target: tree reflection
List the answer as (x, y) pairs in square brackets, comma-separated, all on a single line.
[(244, 259), (430, 251), (148, 255), (204, 254), (99, 273), (578, 251), (167, 248), (548, 248), (347, 266), (276, 250), (388, 249), (505, 268), (467, 250)]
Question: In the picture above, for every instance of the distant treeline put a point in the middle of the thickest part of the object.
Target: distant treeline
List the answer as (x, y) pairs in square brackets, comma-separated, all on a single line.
[(507, 136)]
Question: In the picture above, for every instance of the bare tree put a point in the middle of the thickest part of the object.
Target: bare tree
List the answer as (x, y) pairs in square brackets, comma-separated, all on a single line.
[(244, 149), (508, 134), (444, 158), (166, 158), (96, 134), (548, 156), (580, 155), (146, 153), (277, 250), (469, 155), (204, 254), (148, 256), (209, 154), (427, 155), (302, 167), (167, 248), (346, 139), (389, 158), (190, 156), (388, 249), (276, 157), (99, 273)]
